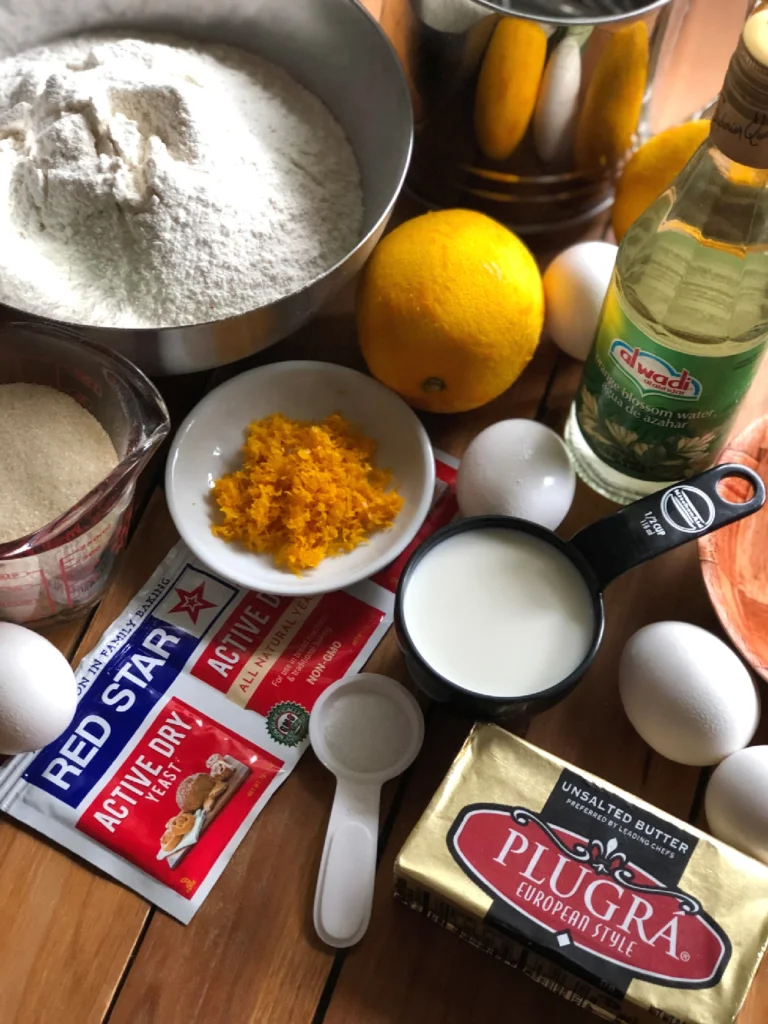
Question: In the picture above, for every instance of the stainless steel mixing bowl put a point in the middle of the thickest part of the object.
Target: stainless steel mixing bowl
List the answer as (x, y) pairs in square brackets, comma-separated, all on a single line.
[(336, 50)]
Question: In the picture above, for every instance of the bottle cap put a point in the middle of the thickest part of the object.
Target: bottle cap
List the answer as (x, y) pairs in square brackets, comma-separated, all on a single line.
[(755, 36), (740, 122)]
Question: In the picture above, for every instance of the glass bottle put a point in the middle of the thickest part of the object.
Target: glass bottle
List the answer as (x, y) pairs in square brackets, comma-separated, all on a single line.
[(685, 320)]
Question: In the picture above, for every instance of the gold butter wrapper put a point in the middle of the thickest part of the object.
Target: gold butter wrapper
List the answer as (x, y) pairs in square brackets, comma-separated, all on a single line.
[(596, 894)]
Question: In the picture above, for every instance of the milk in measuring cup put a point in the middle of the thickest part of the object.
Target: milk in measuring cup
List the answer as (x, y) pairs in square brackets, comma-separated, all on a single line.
[(499, 612)]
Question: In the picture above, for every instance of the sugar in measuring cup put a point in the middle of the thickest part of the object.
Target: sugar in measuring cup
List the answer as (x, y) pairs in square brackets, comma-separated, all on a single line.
[(63, 567), (365, 729)]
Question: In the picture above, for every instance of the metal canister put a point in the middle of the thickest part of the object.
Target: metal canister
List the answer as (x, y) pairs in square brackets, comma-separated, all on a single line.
[(526, 109)]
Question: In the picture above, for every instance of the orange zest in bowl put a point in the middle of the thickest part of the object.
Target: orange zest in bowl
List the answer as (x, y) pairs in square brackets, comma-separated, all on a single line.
[(305, 492)]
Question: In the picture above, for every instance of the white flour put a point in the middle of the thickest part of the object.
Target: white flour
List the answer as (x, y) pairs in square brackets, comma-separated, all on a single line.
[(147, 183)]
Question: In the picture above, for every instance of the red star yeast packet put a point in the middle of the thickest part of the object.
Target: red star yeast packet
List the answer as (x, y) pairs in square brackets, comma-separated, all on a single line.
[(193, 708)]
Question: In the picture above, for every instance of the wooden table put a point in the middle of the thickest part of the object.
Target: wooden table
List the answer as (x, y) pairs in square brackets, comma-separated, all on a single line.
[(76, 948)]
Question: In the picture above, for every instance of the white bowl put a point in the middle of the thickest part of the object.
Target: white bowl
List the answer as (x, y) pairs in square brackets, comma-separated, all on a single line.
[(208, 445)]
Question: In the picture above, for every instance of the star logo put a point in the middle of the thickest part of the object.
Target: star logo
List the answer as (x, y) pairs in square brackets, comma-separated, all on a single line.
[(192, 602)]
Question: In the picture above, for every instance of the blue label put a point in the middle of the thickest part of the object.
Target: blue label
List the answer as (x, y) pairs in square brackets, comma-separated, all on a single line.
[(117, 703)]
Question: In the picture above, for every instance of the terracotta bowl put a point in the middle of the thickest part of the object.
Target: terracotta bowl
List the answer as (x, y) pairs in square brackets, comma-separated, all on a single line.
[(735, 560)]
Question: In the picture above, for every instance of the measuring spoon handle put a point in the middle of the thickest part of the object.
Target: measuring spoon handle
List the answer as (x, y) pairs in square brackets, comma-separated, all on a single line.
[(344, 894), (665, 520)]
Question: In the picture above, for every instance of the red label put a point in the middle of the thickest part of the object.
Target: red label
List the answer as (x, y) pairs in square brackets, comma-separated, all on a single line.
[(589, 896), (290, 649), (244, 632), (180, 796), (444, 508), (320, 654)]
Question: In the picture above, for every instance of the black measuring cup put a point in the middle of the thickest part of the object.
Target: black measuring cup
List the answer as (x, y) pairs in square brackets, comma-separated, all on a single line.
[(601, 552)]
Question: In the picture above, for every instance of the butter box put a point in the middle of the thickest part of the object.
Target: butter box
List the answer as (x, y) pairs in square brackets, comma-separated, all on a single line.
[(592, 892)]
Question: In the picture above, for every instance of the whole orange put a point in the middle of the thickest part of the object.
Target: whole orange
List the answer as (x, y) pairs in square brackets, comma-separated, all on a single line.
[(652, 169), (450, 310)]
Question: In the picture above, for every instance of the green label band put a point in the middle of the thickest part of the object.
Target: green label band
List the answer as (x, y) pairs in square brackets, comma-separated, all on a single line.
[(651, 412)]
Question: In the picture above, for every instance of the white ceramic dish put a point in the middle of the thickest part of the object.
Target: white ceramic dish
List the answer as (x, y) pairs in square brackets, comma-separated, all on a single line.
[(208, 444)]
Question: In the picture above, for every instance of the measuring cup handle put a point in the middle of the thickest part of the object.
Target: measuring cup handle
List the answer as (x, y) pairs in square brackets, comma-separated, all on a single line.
[(665, 520), (344, 894)]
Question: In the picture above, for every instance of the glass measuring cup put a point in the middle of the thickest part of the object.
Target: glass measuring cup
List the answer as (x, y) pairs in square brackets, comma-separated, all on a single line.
[(599, 554), (63, 568)]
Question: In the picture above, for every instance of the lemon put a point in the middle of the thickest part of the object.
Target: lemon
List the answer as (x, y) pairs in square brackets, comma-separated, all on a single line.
[(652, 169), (613, 101), (508, 86), (450, 310)]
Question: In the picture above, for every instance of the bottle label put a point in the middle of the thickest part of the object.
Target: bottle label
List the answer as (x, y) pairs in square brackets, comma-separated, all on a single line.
[(740, 132), (739, 126), (652, 412)]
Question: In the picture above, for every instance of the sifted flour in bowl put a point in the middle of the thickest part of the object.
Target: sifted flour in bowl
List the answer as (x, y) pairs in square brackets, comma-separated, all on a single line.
[(149, 183)]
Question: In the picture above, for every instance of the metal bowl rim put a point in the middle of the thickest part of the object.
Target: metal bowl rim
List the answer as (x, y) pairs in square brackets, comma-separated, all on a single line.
[(594, 19), (148, 332)]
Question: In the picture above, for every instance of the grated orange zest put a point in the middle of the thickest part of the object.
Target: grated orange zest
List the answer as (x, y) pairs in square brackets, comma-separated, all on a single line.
[(306, 491)]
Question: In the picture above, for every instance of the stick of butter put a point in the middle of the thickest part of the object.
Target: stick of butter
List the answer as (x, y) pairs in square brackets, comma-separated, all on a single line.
[(596, 894)]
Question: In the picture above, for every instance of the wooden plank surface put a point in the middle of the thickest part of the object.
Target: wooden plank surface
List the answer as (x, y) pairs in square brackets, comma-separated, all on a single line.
[(76, 947), (380, 981), (256, 926), (67, 932)]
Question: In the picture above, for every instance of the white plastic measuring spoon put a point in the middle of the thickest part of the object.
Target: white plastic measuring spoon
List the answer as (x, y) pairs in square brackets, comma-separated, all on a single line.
[(365, 729)]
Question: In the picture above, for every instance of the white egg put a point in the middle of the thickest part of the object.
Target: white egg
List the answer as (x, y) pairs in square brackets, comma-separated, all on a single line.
[(38, 692), (575, 284), (736, 802), (687, 693), (557, 106), (517, 468)]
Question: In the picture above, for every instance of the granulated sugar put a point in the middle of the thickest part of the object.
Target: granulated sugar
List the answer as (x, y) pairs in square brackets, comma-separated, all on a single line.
[(366, 732), (52, 453), (148, 183)]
